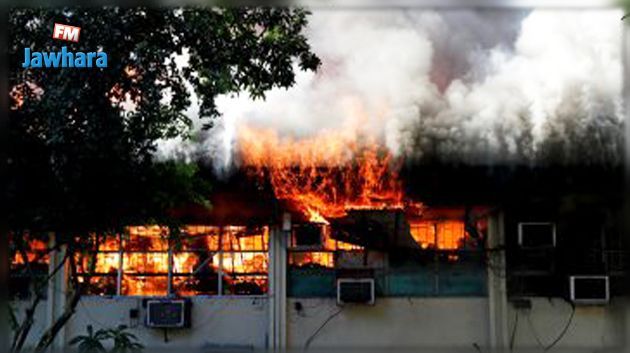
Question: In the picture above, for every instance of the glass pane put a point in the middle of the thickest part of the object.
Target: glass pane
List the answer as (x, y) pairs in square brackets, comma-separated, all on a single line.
[(237, 238), (423, 233), (146, 238), (245, 262), (106, 263), (145, 263), (311, 260), (198, 238), (191, 262), (200, 230), (144, 285), (108, 242), (245, 285), (36, 254), (201, 283), (450, 235), (98, 285)]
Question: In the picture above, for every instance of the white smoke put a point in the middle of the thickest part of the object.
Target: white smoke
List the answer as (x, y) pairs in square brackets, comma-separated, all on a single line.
[(473, 85), (563, 77)]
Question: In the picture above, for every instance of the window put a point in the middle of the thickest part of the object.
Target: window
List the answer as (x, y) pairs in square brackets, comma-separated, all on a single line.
[(451, 262), (311, 270), (37, 258), (321, 255), (447, 261), (441, 235), (203, 260)]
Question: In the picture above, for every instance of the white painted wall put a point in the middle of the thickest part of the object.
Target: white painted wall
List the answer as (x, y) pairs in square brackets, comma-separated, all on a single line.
[(392, 322), (244, 322), (593, 327), (39, 325), (234, 322)]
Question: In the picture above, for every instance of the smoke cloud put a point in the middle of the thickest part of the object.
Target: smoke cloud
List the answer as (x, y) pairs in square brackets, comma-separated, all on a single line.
[(485, 86)]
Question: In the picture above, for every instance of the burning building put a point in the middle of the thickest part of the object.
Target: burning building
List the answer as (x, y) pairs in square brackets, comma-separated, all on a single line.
[(337, 239), (314, 229)]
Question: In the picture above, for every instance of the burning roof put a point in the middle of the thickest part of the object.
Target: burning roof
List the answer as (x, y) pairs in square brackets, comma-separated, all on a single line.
[(325, 176)]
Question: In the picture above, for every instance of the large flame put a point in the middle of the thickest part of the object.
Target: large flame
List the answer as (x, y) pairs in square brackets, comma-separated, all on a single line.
[(326, 175)]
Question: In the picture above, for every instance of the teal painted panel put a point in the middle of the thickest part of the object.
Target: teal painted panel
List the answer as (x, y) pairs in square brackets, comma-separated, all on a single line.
[(304, 283), (462, 282), (465, 277), (406, 283)]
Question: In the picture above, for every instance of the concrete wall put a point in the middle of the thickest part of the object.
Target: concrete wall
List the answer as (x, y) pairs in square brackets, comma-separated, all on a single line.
[(242, 323), (592, 327), (225, 322), (392, 322), (219, 322), (41, 318), (431, 322)]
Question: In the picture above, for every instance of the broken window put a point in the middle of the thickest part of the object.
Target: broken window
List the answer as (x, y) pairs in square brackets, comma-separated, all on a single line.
[(441, 258), (202, 260), (312, 246), (312, 255)]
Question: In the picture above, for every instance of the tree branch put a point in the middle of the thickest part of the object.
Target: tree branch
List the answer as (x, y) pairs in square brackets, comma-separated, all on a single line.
[(49, 336), (30, 312)]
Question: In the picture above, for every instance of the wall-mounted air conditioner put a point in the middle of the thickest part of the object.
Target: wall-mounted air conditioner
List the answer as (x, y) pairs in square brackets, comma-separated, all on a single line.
[(591, 290), (355, 290), (168, 313), (536, 235)]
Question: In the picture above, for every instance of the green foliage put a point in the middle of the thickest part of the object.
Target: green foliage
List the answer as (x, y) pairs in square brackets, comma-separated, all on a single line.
[(124, 342), (82, 141), (80, 160), (92, 342)]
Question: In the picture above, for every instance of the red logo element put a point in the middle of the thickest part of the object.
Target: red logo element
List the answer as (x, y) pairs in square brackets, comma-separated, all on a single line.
[(66, 32)]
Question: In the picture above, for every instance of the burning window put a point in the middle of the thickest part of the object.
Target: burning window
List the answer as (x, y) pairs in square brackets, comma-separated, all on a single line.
[(312, 247), (203, 260), (440, 235), (37, 258), (100, 268), (446, 261)]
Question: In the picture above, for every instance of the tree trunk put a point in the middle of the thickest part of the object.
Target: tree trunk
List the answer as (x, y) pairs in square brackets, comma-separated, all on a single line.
[(49, 336), (27, 324), (22, 332)]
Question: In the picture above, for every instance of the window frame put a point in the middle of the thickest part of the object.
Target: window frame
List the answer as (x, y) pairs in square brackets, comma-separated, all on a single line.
[(437, 267), (170, 275)]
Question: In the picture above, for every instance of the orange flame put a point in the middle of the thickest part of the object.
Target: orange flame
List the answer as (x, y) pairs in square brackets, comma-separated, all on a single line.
[(326, 175), (443, 235), (146, 257), (36, 251)]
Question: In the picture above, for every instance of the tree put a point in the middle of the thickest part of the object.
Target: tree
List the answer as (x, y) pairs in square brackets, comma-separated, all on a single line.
[(82, 141)]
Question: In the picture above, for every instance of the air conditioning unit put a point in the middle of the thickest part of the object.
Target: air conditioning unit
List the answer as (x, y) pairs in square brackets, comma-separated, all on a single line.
[(591, 290), (168, 313), (536, 235), (355, 290)]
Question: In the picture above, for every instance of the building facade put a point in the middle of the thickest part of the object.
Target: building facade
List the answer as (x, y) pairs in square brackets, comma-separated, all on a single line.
[(451, 278)]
